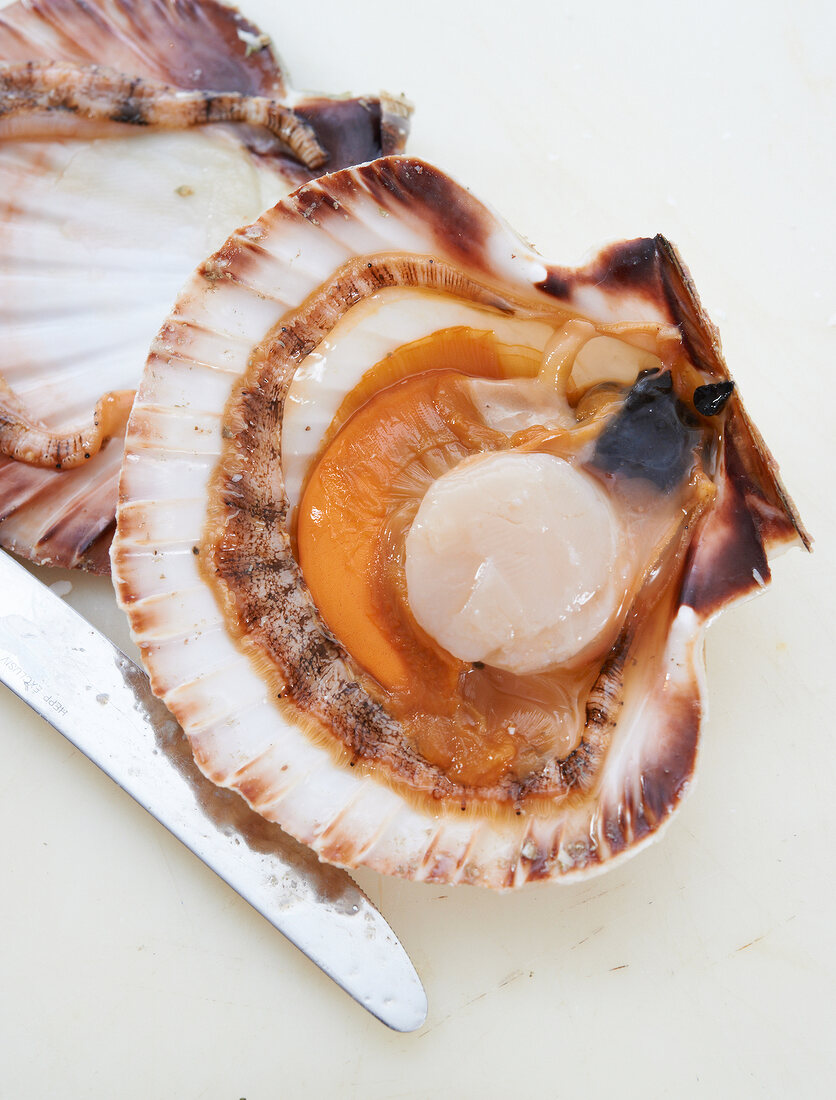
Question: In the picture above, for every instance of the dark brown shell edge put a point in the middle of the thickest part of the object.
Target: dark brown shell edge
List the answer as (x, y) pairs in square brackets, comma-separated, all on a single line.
[(648, 268), (191, 44), (198, 44), (188, 43), (728, 556), (755, 514), (633, 809)]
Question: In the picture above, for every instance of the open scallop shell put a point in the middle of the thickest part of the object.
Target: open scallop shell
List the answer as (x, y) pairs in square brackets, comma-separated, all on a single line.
[(318, 258), (97, 236)]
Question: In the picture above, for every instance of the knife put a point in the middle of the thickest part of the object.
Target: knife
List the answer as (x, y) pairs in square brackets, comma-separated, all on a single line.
[(85, 687)]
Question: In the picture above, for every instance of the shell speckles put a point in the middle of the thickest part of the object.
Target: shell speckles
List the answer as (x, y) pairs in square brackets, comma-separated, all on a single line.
[(106, 205), (260, 550), (38, 97)]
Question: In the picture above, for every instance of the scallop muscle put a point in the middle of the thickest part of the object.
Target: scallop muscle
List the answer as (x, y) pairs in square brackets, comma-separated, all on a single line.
[(419, 535), (105, 209)]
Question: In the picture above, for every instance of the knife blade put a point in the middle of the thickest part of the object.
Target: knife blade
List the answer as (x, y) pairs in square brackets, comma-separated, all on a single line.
[(101, 701)]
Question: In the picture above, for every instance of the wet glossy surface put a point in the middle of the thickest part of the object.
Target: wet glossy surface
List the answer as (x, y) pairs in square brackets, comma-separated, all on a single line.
[(708, 963)]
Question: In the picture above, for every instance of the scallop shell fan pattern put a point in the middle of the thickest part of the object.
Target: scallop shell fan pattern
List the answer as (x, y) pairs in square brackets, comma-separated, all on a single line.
[(98, 235), (333, 244)]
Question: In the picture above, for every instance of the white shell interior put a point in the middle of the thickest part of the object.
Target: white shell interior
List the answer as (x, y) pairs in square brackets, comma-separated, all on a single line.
[(368, 333), (95, 243), (731, 917), (237, 732)]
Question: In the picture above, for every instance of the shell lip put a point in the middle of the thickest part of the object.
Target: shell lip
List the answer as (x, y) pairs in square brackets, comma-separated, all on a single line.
[(632, 806), (63, 518)]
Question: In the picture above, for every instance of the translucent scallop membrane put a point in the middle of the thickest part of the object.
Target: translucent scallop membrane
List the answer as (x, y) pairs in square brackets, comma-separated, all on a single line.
[(340, 280)]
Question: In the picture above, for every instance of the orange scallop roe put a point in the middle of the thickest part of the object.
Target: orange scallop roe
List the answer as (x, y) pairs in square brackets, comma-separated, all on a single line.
[(360, 499)]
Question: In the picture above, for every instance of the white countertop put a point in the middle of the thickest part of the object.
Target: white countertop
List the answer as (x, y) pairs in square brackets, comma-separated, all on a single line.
[(706, 966)]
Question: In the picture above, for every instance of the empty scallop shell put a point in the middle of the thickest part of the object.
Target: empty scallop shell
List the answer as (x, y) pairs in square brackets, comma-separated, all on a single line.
[(97, 236), (292, 341)]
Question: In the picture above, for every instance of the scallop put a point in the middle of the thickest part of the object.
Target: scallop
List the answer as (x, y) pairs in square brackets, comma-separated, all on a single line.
[(419, 535), (115, 183)]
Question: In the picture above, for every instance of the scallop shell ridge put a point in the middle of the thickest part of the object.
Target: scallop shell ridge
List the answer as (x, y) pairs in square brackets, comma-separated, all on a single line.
[(97, 236), (400, 207)]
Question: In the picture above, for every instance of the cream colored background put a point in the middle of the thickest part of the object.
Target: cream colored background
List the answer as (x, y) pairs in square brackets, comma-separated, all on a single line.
[(703, 968)]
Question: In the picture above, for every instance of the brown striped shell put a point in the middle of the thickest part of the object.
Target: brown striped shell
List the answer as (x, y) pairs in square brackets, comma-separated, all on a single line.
[(99, 228), (273, 703)]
